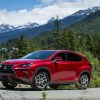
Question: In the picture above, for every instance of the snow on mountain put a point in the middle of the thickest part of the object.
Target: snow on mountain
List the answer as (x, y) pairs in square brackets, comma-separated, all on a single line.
[(33, 29), (53, 19), (86, 11), (7, 28), (28, 26), (81, 14)]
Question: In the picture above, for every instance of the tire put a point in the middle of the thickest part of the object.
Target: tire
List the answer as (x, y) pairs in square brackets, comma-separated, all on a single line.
[(84, 81), (40, 81), (54, 86), (9, 85)]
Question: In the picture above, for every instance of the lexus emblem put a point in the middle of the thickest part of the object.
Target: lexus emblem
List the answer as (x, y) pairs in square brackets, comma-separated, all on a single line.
[(5, 68)]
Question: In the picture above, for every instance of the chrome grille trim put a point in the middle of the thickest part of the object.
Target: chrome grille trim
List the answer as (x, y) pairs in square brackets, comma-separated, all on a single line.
[(6, 69)]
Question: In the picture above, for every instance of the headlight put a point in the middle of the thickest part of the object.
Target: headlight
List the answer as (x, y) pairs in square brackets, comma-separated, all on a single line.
[(26, 65)]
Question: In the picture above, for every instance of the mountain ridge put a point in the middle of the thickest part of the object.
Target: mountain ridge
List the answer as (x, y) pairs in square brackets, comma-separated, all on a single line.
[(34, 31)]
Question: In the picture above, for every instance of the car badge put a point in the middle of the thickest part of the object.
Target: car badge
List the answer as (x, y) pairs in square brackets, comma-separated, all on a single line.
[(5, 68)]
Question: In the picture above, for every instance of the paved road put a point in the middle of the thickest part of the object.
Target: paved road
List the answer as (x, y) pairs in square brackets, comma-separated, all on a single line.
[(27, 94)]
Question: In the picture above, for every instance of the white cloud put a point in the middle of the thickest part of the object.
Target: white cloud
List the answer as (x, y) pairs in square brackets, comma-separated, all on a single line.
[(48, 2), (41, 14)]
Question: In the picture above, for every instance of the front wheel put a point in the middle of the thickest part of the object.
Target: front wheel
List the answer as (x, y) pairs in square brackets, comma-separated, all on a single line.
[(40, 81), (84, 81), (9, 85)]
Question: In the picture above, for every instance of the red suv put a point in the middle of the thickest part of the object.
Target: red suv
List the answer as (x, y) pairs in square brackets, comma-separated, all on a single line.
[(46, 68)]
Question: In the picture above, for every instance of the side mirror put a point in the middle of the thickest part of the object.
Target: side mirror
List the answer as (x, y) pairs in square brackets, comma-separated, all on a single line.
[(58, 59)]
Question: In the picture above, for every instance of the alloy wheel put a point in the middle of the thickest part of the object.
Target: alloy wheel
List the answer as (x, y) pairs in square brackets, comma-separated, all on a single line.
[(84, 81), (41, 81)]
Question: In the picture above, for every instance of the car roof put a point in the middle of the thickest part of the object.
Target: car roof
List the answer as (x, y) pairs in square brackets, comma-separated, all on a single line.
[(64, 51), (58, 50)]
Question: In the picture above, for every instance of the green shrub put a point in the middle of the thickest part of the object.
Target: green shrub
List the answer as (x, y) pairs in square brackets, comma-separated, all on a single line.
[(43, 95), (94, 61), (95, 82)]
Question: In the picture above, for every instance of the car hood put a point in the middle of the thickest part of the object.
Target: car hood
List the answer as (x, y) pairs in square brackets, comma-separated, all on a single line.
[(20, 61)]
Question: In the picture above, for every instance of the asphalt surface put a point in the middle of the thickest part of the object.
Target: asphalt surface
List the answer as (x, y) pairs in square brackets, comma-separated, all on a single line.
[(25, 93)]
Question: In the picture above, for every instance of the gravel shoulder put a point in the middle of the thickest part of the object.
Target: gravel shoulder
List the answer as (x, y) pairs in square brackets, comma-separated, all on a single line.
[(25, 93)]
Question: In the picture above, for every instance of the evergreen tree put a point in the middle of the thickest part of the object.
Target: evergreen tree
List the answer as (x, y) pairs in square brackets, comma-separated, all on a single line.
[(89, 43), (57, 25), (22, 46), (81, 44), (72, 42), (96, 46), (57, 33), (31, 46)]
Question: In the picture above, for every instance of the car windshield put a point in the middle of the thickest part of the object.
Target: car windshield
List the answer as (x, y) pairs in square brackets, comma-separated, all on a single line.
[(39, 55)]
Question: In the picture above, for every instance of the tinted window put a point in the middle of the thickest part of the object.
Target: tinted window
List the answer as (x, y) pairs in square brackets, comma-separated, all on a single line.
[(73, 57), (62, 55), (39, 55)]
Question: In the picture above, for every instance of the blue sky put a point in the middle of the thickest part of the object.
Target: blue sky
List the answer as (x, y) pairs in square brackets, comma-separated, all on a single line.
[(24, 4), (18, 4), (19, 12)]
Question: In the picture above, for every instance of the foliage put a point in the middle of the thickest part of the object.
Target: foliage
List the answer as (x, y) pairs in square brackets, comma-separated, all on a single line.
[(22, 46), (95, 69), (89, 25), (95, 82), (43, 95)]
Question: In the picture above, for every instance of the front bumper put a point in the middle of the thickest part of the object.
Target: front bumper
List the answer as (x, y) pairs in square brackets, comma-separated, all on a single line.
[(17, 73), (10, 77)]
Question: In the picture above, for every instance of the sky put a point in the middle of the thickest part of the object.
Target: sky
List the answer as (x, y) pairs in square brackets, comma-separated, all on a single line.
[(19, 12)]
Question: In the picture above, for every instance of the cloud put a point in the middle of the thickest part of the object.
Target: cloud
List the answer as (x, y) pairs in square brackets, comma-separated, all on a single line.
[(48, 2), (48, 8)]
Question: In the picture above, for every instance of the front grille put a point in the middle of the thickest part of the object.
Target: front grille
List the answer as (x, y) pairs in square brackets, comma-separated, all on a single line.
[(6, 69)]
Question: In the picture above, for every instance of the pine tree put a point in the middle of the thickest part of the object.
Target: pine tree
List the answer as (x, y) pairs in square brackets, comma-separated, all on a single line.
[(57, 25), (89, 43), (72, 42), (82, 43), (96, 46), (22, 46), (57, 33)]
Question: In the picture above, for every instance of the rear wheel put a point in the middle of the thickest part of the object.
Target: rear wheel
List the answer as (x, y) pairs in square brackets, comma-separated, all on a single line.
[(84, 81), (40, 81), (9, 85), (54, 86)]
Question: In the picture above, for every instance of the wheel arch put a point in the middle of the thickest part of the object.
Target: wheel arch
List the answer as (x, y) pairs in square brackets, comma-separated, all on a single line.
[(85, 72), (45, 69)]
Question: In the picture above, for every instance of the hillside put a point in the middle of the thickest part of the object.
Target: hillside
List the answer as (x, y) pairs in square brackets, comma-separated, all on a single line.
[(89, 25)]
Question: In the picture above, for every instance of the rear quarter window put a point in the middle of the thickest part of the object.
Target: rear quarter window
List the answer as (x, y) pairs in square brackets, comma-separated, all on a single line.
[(73, 57)]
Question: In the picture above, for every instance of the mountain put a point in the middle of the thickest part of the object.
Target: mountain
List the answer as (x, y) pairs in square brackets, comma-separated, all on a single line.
[(7, 28), (51, 20), (31, 30), (86, 12), (78, 16), (28, 26), (89, 25)]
